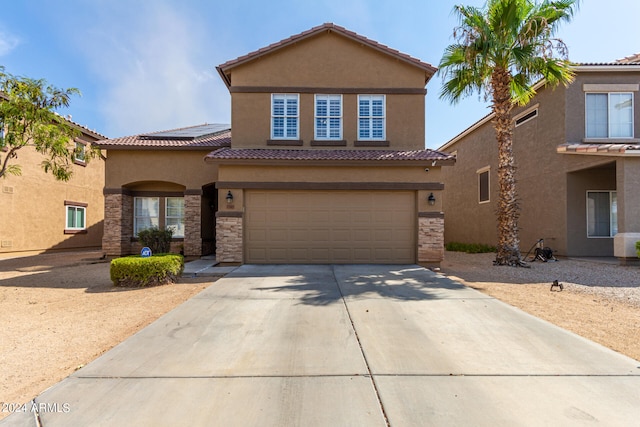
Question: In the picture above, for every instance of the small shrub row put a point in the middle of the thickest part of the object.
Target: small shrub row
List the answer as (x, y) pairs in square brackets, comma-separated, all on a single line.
[(470, 248), (638, 249), (135, 271)]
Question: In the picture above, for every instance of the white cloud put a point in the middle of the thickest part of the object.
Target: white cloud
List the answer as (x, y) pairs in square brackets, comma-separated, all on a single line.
[(156, 73), (8, 42)]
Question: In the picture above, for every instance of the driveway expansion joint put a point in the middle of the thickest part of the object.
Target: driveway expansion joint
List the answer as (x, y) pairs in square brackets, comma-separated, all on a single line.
[(364, 356)]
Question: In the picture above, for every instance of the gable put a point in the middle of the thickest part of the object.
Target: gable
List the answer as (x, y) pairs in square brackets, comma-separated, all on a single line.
[(329, 57)]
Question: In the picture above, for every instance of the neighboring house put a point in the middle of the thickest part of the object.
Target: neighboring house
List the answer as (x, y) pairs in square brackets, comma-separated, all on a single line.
[(326, 163), (577, 152), (39, 213)]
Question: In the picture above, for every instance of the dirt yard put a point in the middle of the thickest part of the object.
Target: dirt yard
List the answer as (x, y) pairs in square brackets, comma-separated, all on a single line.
[(59, 312)]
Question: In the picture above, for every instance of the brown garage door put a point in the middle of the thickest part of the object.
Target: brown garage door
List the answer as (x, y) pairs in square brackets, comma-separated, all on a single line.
[(338, 227)]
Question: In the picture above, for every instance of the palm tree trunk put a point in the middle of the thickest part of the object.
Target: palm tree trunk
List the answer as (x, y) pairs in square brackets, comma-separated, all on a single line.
[(508, 250)]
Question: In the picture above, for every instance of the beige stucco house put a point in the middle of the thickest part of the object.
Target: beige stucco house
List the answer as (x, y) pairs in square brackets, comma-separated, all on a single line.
[(39, 213), (577, 152), (326, 162)]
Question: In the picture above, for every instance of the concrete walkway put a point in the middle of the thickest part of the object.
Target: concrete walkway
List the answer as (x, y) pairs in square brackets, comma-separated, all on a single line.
[(346, 345), (206, 266)]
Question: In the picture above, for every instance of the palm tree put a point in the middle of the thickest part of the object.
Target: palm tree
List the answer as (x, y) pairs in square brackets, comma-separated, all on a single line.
[(502, 51)]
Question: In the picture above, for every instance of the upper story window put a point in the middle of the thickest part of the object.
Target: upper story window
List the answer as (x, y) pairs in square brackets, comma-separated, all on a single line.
[(609, 115), (525, 117), (371, 117), (79, 154), (328, 117), (284, 116)]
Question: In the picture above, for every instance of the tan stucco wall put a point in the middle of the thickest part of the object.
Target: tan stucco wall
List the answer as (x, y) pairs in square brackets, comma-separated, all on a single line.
[(32, 210), (542, 181), (329, 174), (185, 168), (328, 62), (312, 173), (404, 120)]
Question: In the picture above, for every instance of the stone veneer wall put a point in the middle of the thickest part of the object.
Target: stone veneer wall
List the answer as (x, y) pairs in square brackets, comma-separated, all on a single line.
[(193, 217), (118, 224), (430, 238), (229, 237)]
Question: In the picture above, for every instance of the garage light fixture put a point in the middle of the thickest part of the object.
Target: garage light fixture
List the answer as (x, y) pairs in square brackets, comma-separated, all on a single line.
[(229, 197), (431, 199)]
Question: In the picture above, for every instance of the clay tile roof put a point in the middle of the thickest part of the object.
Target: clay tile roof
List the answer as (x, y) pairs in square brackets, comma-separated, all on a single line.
[(83, 128), (627, 60), (578, 148), (631, 59), (430, 69), (334, 155), (187, 138)]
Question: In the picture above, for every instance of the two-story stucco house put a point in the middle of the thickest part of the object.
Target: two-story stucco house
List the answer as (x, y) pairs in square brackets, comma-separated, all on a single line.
[(39, 213), (577, 152), (325, 164)]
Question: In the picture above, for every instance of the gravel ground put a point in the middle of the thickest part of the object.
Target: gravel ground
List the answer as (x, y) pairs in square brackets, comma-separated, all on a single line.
[(600, 301), (587, 276)]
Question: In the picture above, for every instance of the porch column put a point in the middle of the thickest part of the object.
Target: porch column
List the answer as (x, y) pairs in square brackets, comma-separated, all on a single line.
[(627, 183), (118, 222), (430, 238), (193, 223), (229, 243)]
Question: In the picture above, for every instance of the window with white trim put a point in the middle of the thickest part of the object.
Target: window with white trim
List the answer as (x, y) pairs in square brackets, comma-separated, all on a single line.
[(328, 117), (371, 117), (79, 154), (609, 115), (174, 215), (76, 217), (162, 212), (602, 213), (284, 116), (483, 185), (146, 213)]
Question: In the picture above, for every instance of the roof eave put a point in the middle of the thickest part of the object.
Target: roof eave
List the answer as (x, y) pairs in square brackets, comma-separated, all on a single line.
[(127, 147), (224, 76), (326, 162)]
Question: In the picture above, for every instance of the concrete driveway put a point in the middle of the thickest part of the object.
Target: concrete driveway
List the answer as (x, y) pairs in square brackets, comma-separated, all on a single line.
[(334, 345)]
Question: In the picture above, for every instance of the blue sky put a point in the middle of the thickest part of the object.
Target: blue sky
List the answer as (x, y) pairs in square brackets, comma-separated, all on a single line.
[(149, 65)]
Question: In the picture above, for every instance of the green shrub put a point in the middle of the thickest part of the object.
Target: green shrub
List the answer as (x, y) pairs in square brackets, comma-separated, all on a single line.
[(156, 239), (470, 248), (135, 271), (638, 249)]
